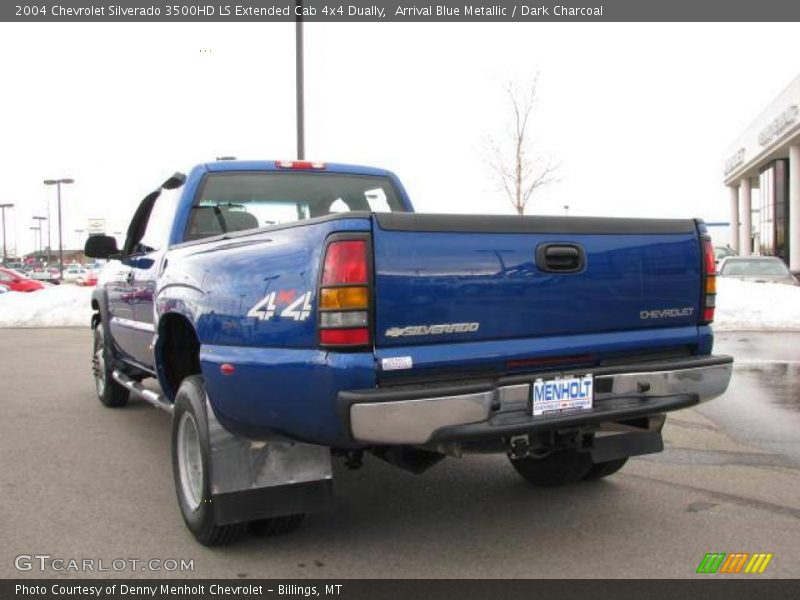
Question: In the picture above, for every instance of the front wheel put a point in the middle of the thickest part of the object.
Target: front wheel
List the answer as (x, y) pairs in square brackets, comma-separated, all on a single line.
[(110, 393)]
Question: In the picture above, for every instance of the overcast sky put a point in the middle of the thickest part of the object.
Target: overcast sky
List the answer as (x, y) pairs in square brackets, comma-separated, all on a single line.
[(638, 115)]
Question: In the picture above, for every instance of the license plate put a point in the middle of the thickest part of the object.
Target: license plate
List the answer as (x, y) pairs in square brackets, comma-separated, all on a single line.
[(561, 395)]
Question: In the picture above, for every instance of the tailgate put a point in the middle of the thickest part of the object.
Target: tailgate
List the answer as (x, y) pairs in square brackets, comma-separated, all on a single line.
[(451, 278)]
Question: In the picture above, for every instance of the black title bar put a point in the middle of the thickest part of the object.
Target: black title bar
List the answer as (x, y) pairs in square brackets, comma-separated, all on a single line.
[(713, 588), (411, 11)]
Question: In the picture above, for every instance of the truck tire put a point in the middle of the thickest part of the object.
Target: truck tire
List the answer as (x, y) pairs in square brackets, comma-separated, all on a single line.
[(110, 393), (191, 466), (558, 468), (191, 462), (604, 469)]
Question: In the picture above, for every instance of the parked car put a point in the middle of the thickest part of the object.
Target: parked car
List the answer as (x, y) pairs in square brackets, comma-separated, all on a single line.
[(18, 282), (88, 278), (723, 252), (30, 267), (767, 269), (73, 273), (46, 274), (295, 311)]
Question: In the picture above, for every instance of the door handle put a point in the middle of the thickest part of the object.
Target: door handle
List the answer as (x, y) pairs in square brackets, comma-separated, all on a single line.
[(129, 278), (560, 258)]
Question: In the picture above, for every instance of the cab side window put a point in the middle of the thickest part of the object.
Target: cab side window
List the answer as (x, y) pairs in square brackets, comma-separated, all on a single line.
[(159, 224)]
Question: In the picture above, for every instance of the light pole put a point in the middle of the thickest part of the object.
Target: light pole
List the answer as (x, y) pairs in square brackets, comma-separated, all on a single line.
[(566, 209), (35, 243), (3, 208), (39, 248), (57, 183), (49, 228), (301, 134)]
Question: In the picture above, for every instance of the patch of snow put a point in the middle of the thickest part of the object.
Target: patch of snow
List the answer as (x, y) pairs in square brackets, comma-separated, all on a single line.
[(751, 306), (55, 306)]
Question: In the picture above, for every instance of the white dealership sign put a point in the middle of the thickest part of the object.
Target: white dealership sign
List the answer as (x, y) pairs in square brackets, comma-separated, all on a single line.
[(96, 226)]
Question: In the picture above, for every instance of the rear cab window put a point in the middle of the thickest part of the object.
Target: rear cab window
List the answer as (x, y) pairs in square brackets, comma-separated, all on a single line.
[(237, 201)]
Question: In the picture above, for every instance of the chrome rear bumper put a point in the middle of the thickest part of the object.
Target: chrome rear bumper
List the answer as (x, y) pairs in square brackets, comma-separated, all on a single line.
[(428, 414)]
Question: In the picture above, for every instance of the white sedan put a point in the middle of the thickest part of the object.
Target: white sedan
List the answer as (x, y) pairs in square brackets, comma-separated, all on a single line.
[(74, 273)]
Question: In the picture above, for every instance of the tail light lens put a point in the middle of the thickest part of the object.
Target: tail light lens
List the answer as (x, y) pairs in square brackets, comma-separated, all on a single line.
[(344, 337), (709, 295), (345, 295), (345, 262)]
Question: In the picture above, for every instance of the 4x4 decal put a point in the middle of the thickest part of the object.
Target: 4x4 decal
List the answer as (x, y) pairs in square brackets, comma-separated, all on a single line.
[(298, 309)]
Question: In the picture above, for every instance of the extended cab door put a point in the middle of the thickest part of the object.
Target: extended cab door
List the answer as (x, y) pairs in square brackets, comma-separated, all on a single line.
[(134, 327), (119, 305)]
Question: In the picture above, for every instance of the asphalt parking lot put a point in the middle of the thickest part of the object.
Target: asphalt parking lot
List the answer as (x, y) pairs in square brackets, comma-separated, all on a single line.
[(82, 481)]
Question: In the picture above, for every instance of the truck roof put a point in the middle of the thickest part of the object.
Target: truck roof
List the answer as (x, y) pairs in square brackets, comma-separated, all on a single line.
[(270, 165)]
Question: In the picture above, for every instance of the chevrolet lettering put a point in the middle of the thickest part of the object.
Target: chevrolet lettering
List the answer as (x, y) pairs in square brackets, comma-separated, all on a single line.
[(667, 313), (293, 313)]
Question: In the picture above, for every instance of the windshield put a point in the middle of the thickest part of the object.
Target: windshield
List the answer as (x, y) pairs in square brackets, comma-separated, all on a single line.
[(754, 268), (239, 201), (11, 274), (722, 252)]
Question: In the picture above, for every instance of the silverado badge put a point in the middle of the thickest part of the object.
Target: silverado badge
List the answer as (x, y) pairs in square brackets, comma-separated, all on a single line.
[(440, 329)]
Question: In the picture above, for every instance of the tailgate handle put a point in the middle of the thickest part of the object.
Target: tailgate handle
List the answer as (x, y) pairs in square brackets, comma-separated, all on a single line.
[(560, 258)]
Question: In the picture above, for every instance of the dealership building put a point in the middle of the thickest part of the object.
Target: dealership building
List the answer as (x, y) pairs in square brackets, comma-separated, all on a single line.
[(762, 172)]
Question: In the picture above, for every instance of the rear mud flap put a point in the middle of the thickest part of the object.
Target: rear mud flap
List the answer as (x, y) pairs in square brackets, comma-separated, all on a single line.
[(261, 479), (621, 445)]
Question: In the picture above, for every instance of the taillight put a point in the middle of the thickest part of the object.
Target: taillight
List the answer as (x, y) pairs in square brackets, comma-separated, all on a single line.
[(345, 263), (299, 165), (344, 295), (709, 295), (344, 337)]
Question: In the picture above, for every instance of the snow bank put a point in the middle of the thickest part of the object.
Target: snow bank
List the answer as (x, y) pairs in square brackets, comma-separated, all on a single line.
[(750, 306), (55, 306)]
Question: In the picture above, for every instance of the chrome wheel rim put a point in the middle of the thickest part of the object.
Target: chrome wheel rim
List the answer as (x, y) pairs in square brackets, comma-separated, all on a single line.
[(99, 362), (190, 461)]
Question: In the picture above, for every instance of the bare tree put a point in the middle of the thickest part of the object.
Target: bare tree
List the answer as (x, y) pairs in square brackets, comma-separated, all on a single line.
[(520, 171)]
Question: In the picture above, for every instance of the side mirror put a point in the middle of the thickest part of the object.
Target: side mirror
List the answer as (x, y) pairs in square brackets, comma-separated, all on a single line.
[(100, 246)]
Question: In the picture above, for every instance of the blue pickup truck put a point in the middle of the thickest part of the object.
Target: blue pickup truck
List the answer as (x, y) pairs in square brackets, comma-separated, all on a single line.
[(294, 312)]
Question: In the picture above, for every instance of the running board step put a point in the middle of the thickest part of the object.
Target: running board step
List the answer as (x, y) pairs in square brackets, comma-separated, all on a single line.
[(154, 398)]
